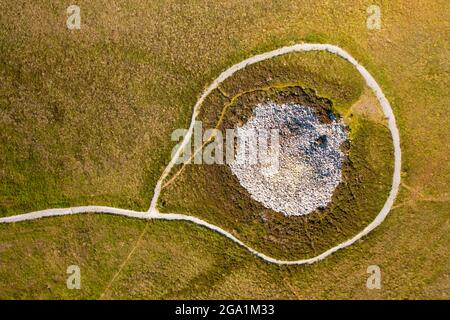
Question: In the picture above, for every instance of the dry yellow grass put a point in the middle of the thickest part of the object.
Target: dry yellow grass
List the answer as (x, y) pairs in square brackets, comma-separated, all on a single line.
[(135, 70)]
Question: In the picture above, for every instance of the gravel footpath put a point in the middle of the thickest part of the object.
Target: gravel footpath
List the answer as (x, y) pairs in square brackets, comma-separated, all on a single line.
[(153, 213)]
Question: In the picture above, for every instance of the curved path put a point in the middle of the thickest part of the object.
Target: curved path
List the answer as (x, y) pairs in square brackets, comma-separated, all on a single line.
[(153, 213)]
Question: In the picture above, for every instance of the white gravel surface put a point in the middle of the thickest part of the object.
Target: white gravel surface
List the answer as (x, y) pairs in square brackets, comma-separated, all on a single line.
[(306, 165)]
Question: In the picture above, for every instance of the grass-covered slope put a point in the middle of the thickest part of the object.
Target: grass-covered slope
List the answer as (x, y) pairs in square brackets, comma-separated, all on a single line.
[(213, 192)]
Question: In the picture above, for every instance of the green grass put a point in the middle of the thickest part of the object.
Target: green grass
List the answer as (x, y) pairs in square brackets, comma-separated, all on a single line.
[(182, 260), (136, 73)]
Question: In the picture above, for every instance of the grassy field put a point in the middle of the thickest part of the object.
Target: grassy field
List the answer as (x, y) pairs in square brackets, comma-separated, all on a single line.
[(86, 117)]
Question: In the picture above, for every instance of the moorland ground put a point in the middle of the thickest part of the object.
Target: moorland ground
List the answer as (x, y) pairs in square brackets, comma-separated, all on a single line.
[(86, 118)]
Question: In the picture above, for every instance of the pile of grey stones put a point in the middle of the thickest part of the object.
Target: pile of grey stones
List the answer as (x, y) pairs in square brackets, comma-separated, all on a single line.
[(302, 165)]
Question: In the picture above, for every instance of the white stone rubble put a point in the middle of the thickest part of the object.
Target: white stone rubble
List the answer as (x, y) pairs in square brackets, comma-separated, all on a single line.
[(309, 159)]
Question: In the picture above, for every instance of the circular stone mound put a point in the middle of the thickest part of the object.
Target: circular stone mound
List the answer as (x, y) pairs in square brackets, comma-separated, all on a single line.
[(301, 167)]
